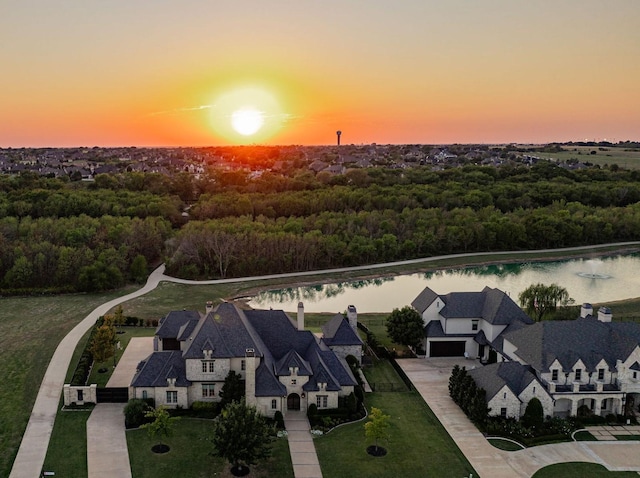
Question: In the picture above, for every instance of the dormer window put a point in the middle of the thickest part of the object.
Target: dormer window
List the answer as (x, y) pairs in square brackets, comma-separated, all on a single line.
[(600, 374), (554, 375), (474, 324), (578, 374)]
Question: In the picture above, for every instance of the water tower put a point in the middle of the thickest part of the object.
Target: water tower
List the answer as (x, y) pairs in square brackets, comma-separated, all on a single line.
[(338, 133)]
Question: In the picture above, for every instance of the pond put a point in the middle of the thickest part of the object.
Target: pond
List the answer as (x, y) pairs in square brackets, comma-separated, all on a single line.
[(599, 280)]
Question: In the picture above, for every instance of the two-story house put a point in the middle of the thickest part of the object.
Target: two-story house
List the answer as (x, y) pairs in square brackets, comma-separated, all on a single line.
[(284, 366), (589, 362), (467, 323)]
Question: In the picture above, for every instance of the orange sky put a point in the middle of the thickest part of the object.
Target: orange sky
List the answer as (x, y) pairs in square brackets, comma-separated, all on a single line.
[(161, 73)]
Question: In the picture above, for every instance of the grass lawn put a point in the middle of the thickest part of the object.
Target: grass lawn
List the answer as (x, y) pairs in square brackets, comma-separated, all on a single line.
[(584, 436), (623, 157), (581, 470), (627, 437), (418, 444), (191, 456), (125, 335), (504, 444), (30, 330), (67, 452)]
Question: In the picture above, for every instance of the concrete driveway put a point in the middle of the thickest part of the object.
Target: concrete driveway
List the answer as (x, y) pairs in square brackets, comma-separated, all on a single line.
[(431, 379)]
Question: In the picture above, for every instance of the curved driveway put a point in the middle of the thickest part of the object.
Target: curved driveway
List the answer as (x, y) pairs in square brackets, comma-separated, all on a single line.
[(35, 441)]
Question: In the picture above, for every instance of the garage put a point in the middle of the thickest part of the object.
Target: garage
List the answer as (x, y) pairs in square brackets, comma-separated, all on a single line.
[(447, 349)]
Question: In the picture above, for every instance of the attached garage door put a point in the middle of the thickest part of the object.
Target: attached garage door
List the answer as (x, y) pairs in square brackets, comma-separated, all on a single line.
[(447, 349)]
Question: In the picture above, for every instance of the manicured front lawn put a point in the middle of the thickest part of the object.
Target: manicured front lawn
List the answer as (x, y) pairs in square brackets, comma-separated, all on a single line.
[(67, 452), (418, 444), (504, 444), (581, 470), (191, 455)]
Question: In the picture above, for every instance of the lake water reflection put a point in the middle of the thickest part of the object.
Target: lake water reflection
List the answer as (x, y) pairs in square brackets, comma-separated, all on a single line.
[(587, 280)]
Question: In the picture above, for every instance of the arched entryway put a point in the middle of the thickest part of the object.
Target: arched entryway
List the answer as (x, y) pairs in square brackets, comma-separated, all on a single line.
[(293, 402)]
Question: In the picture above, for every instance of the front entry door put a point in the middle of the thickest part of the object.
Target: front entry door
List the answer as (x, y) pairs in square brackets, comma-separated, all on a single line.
[(293, 402)]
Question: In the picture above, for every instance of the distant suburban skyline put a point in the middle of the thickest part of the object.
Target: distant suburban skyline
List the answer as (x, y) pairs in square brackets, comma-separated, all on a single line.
[(197, 72)]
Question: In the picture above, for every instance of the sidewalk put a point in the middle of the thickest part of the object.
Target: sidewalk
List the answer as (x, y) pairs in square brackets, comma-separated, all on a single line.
[(303, 452)]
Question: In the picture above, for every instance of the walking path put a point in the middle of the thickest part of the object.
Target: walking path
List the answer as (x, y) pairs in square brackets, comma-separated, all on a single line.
[(431, 378), (303, 452), (35, 441)]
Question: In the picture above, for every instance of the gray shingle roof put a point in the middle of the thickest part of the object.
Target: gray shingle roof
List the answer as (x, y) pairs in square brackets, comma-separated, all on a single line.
[(491, 305), (223, 331), (292, 359), (267, 384), (170, 325), (424, 300), (158, 367), (567, 341), (495, 376), (338, 332)]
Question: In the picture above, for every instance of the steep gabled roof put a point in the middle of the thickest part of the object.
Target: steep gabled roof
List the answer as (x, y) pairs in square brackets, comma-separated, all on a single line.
[(424, 300), (160, 366), (586, 339), (338, 332), (267, 384), (171, 325), (495, 376), (292, 359), (223, 331), (491, 305)]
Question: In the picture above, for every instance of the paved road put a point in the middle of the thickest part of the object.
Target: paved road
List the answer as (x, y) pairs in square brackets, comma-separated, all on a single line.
[(431, 378), (35, 441)]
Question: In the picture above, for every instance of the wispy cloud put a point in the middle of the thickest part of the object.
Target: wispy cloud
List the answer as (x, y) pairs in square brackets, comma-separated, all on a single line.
[(181, 110)]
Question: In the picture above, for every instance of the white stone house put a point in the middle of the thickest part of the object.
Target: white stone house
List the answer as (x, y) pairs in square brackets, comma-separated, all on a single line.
[(590, 361), (284, 366)]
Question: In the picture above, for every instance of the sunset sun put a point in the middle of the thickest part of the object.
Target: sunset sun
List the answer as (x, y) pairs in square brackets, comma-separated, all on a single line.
[(246, 114), (247, 121)]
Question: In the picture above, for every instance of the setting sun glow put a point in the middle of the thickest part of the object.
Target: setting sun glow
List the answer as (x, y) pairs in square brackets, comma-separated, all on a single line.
[(244, 114), (247, 121)]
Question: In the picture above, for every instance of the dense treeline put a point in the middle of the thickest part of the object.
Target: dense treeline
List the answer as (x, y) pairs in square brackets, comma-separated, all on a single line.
[(65, 236), (386, 215)]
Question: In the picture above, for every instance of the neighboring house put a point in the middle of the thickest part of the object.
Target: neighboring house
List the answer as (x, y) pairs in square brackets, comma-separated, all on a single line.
[(284, 366), (467, 324), (589, 361)]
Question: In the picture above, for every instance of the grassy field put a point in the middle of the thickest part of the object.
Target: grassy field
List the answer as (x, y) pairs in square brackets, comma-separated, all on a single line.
[(67, 453), (30, 330), (623, 157), (581, 470), (191, 455), (418, 444)]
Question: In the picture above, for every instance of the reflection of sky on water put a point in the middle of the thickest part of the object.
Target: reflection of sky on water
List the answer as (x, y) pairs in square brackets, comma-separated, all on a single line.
[(387, 293)]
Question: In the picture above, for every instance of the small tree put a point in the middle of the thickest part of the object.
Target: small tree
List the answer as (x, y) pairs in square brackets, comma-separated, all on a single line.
[(242, 436), (534, 414), (103, 342), (405, 326), (377, 428), (138, 269), (539, 299), (161, 426), (232, 390)]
